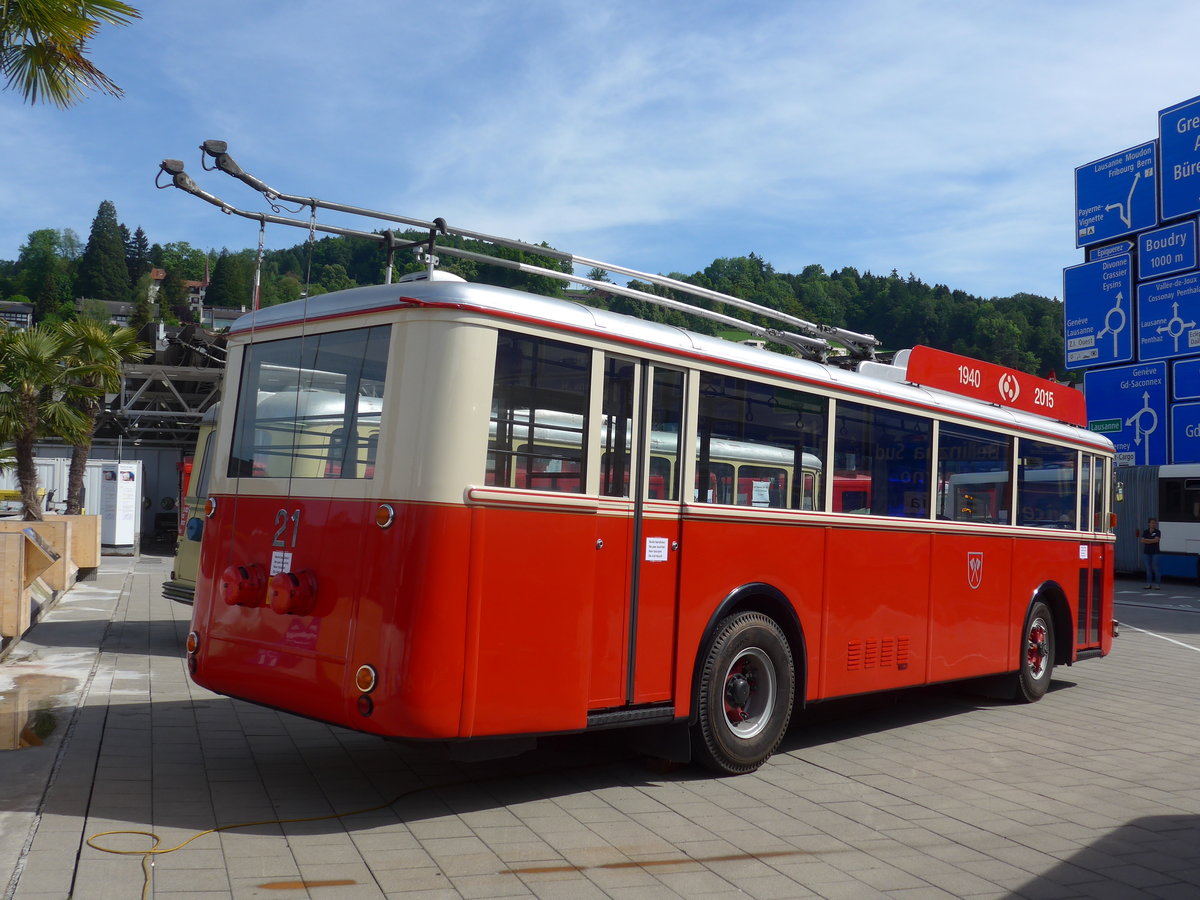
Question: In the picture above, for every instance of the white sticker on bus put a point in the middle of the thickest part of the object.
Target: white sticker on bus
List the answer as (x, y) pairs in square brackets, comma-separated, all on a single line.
[(656, 549), (281, 561)]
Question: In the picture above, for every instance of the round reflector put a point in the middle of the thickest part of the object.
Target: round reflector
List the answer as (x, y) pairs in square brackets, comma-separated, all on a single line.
[(364, 679), (385, 515)]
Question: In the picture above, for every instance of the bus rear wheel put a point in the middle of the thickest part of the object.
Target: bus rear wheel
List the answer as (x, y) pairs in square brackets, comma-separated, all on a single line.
[(746, 690), (1037, 654)]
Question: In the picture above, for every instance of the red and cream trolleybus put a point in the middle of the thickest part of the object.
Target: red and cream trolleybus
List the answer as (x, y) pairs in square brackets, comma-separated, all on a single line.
[(446, 511), (394, 544)]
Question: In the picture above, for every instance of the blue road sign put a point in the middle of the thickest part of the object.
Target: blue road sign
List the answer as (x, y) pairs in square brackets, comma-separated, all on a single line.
[(1114, 249), (1129, 405), (1187, 379), (1098, 305), (1169, 317), (1167, 250), (1185, 433), (1179, 140), (1116, 195)]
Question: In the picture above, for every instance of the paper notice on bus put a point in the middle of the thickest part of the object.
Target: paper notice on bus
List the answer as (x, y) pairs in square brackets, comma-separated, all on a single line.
[(656, 549), (281, 561)]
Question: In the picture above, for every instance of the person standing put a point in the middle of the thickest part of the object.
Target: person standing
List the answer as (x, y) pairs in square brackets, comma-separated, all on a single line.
[(1150, 539)]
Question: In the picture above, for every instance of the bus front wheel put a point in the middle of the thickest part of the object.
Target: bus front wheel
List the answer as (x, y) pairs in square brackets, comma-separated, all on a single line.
[(746, 690), (1037, 654)]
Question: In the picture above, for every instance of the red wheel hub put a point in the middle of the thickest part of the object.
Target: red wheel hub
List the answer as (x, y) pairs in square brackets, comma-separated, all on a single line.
[(1035, 648)]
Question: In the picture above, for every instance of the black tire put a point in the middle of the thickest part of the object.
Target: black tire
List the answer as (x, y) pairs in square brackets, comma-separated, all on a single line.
[(747, 684), (1037, 654)]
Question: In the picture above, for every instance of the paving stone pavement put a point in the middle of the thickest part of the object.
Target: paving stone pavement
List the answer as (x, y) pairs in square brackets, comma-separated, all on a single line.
[(1093, 792)]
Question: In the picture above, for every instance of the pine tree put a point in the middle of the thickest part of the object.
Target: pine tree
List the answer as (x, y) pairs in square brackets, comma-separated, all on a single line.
[(137, 255), (102, 271), (228, 286)]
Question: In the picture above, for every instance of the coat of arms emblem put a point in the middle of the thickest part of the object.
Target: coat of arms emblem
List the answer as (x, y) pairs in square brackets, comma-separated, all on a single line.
[(974, 570)]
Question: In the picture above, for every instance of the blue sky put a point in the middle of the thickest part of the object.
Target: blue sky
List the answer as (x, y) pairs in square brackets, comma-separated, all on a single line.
[(934, 138)]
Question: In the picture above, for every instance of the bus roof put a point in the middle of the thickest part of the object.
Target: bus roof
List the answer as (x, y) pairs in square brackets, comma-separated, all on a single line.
[(878, 381)]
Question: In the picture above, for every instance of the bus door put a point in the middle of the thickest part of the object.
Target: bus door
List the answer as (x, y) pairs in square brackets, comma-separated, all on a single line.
[(1095, 591), (635, 614)]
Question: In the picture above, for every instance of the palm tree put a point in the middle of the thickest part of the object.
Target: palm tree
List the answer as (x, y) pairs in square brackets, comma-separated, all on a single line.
[(35, 401), (94, 353), (43, 47)]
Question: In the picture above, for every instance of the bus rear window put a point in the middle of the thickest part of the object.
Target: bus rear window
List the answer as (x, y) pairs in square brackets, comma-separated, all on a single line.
[(310, 407)]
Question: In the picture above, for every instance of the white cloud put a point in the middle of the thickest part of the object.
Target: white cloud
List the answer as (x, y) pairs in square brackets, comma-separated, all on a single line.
[(937, 138)]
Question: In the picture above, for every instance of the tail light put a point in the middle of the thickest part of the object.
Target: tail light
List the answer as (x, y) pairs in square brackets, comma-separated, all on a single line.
[(192, 644), (365, 680)]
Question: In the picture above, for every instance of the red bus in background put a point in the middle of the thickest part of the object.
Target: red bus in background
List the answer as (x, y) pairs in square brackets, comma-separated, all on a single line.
[(469, 513)]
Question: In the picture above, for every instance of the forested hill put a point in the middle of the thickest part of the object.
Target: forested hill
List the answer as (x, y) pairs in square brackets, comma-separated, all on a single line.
[(1024, 331)]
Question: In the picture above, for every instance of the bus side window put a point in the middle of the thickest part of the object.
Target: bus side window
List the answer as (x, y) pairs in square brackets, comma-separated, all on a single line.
[(974, 475), (1046, 484), (889, 449), (539, 414), (767, 433)]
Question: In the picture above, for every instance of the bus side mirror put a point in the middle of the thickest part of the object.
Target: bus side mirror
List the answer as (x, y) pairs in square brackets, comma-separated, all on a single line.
[(194, 529)]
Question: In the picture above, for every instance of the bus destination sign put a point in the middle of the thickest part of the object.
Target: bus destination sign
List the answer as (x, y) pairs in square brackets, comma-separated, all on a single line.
[(996, 384)]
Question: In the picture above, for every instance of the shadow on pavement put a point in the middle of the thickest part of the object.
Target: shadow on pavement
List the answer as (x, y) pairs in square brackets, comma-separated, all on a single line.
[(217, 762), (1133, 860)]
